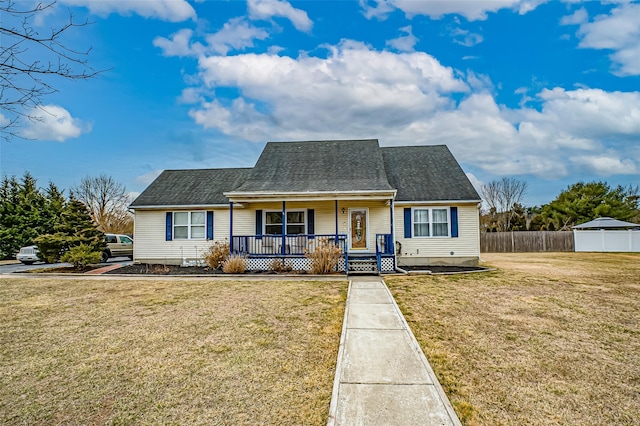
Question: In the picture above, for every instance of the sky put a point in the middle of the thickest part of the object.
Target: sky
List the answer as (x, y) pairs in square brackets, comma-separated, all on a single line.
[(547, 92)]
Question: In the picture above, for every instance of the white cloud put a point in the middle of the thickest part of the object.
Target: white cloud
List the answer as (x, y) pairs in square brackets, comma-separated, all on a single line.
[(4, 121), (407, 98), (578, 17), (592, 113), (472, 10), (404, 43), (618, 31), (166, 10), (606, 165), (52, 122), (147, 178), (236, 34), (266, 9), (477, 183), (376, 8), (465, 37), (179, 44)]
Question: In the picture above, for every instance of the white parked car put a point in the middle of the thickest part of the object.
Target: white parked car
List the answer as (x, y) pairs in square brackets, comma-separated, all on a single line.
[(28, 255)]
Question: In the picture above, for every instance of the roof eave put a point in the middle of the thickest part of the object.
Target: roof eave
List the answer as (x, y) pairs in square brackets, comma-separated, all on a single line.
[(177, 206), (310, 195), (438, 202)]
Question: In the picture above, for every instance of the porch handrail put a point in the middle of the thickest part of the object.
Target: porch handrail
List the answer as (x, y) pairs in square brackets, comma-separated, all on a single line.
[(272, 244), (384, 244), (384, 247)]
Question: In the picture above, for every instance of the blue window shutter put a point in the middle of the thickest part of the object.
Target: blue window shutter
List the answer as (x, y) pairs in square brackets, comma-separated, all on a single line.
[(209, 225), (169, 227), (454, 222), (311, 221), (407, 222), (259, 224)]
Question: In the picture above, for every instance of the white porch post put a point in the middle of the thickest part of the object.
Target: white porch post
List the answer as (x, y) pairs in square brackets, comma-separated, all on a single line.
[(283, 249), (336, 205)]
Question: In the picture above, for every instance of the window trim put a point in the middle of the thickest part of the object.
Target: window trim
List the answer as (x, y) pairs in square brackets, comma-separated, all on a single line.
[(431, 223), (305, 223), (189, 225)]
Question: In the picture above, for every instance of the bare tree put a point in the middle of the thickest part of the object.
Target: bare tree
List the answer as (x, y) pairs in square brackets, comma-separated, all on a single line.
[(501, 196), (29, 61), (107, 201)]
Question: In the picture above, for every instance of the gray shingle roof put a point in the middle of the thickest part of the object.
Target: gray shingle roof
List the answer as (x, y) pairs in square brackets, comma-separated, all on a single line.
[(418, 173), (426, 173), (347, 165), (191, 187), (607, 222)]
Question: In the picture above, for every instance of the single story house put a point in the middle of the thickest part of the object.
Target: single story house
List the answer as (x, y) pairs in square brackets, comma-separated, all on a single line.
[(606, 234), (384, 206)]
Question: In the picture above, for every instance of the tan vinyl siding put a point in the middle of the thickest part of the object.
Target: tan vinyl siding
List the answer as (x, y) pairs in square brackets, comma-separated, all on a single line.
[(150, 234), (150, 243), (467, 244), (324, 212)]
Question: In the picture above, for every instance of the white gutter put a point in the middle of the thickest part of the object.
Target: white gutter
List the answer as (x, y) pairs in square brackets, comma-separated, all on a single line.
[(437, 202), (182, 206), (308, 196)]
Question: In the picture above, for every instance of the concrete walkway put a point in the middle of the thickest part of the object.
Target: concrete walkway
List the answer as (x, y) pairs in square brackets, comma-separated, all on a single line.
[(382, 375)]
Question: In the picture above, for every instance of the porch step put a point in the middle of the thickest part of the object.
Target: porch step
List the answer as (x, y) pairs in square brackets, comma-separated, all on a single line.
[(363, 266)]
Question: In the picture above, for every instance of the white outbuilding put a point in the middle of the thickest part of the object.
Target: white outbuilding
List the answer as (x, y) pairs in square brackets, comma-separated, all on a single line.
[(606, 234)]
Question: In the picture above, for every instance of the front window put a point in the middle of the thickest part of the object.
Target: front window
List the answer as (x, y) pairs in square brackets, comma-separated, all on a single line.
[(189, 225), (295, 223), (431, 222)]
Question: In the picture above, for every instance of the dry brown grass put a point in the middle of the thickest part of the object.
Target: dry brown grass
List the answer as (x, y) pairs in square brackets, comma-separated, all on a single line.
[(547, 339), (325, 257), (80, 351), (234, 265)]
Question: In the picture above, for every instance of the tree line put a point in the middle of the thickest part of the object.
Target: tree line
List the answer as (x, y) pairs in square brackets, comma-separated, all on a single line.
[(579, 203), (95, 206)]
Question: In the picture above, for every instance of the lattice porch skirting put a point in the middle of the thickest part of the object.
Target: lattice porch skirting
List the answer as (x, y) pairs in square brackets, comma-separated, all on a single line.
[(300, 263)]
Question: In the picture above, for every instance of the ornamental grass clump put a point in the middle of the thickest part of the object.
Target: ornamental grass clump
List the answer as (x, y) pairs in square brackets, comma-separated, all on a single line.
[(280, 266), (325, 257), (234, 265), (216, 254)]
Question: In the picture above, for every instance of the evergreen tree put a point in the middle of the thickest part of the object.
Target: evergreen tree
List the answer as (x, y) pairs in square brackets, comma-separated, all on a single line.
[(75, 228), (582, 202), (77, 224), (24, 213)]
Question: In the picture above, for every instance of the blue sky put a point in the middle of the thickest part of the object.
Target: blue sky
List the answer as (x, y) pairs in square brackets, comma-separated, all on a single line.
[(544, 91)]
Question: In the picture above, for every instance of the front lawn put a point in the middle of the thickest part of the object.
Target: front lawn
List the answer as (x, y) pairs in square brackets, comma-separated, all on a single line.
[(188, 351), (547, 339)]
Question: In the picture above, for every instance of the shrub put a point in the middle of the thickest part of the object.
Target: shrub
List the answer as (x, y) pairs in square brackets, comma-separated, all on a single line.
[(234, 265), (52, 246), (81, 256), (325, 257), (216, 254), (279, 265)]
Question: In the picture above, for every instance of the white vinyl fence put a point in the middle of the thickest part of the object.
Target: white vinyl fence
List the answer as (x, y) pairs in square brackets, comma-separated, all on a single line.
[(607, 240)]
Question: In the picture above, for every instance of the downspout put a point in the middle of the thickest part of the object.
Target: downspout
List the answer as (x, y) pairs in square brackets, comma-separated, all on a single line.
[(230, 226), (392, 211)]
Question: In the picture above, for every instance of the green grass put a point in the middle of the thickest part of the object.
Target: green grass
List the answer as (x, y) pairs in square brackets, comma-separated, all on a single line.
[(84, 351), (547, 339)]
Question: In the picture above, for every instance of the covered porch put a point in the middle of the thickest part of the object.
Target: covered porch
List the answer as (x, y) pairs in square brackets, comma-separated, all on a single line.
[(292, 226)]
